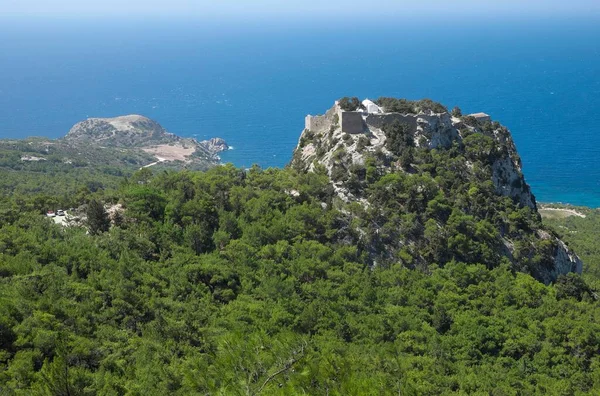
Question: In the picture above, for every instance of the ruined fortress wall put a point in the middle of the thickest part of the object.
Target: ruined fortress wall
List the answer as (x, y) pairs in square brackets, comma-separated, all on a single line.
[(352, 122), (356, 122), (413, 120), (321, 123), (379, 120), (316, 123)]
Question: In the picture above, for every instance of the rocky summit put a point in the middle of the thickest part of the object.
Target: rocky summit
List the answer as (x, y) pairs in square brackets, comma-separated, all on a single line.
[(466, 162), (130, 130)]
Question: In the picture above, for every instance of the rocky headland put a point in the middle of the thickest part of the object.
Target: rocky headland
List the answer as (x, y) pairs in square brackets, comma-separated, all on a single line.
[(139, 132), (131, 140), (355, 140)]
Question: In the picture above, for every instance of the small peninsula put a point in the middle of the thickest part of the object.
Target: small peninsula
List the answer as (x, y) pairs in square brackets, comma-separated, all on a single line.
[(131, 141)]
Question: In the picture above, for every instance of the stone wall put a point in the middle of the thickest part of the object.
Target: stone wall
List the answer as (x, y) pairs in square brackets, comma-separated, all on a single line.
[(316, 123), (437, 129), (352, 122), (321, 123), (379, 120)]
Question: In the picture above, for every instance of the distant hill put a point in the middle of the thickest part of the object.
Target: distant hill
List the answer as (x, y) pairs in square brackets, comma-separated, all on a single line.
[(124, 131), (130, 141)]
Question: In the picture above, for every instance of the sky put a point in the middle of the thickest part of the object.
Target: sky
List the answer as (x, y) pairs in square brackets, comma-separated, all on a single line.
[(278, 8)]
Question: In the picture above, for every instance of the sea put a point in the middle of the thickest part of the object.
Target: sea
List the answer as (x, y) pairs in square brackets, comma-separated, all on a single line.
[(252, 83)]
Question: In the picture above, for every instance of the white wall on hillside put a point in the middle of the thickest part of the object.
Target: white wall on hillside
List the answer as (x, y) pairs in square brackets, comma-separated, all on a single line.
[(371, 107)]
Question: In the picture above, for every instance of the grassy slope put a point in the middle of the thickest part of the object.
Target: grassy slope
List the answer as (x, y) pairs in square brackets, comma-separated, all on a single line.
[(582, 234)]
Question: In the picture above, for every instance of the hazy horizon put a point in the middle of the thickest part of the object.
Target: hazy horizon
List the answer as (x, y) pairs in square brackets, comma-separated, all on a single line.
[(235, 9)]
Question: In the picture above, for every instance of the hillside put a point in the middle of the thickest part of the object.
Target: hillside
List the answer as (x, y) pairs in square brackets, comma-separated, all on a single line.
[(414, 166), (580, 228), (96, 154), (391, 267)]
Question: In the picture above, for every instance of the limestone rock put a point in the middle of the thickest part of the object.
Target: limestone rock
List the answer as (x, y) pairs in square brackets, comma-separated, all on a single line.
[(327, 134), (342, 141), (215, 145)]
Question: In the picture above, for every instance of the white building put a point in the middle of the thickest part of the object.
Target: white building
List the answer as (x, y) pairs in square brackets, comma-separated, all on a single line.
[(482, 117), (371, 107)]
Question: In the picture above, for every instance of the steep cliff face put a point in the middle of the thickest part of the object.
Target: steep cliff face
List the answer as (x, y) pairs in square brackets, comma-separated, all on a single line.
[(459, 154)]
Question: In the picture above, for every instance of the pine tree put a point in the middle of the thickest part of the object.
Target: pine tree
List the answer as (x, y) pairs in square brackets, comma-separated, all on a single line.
[(97, 218)]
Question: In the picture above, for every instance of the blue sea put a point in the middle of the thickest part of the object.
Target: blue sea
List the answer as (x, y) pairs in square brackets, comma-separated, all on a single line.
[(253, 83)]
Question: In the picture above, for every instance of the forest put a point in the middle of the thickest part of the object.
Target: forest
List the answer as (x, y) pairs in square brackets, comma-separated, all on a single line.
[(250, 282)]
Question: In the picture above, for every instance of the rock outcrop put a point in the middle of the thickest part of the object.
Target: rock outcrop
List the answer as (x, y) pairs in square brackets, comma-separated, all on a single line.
[(215, 145), (431, 130), (342, 142)]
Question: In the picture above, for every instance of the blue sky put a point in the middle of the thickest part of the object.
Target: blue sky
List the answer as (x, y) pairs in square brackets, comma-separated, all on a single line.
[(266, 8)]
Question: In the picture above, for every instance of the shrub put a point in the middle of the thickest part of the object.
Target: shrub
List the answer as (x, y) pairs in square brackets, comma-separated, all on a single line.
[(466, 132), (349, 104), (339, 154), (333, 142), (338, 173), (393, 105), (405, 106), (571, 286), (321, 151), (406, 158), (398, 137), (354, 184), (470, 121), (427, 105), (363, 142), (359, 170), (307, 137)]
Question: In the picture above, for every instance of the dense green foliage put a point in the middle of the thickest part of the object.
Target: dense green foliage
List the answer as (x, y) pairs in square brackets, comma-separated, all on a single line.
[(404, 106), (97, 217), (261, 282), (266, 282), (349, 104), (60, 173), (46, 174)]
